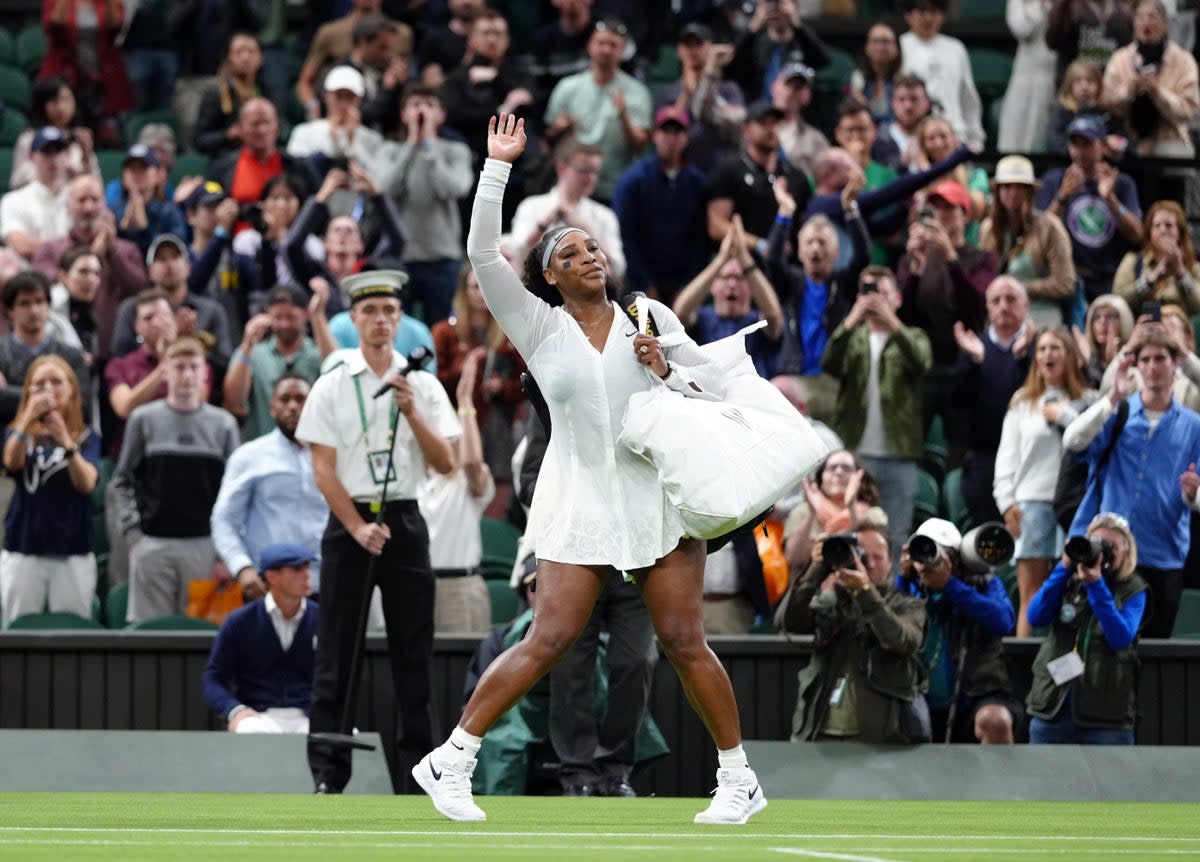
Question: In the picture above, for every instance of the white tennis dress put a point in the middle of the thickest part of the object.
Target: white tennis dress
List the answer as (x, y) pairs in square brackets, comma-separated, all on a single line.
[(595, 503)]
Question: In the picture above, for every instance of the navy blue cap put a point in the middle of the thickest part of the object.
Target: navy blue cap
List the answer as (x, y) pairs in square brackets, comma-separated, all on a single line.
[(285, 554), (1086, 126), (140, 153), (49, 136)]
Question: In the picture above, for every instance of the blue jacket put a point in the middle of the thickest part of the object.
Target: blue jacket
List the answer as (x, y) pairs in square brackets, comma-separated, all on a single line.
[(247, 655), (664, 223)]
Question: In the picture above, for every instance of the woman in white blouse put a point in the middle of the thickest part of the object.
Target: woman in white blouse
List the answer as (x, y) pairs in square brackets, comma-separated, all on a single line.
[(1028, 459), (598, 510)]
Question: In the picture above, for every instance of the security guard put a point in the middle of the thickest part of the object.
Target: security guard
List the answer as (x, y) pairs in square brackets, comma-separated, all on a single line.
[(350, 432)]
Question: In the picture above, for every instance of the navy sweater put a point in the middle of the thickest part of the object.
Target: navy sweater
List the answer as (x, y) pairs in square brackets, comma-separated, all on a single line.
[(247, 665), (985, 390)]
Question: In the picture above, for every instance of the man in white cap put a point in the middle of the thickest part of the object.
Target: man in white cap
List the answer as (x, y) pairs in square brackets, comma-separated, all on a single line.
[(361, 450), (340, 135), (966, 618)]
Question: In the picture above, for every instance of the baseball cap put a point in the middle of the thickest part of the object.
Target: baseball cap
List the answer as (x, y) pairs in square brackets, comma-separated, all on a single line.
[(952, 193), (285, 554), (345, 78), (165, 239), (375, 282), (760, 110), (696, 31), (140, 153), (1086, 126), (49, 136), (671, 114), (797, 70), (941, 531), (205, 194)]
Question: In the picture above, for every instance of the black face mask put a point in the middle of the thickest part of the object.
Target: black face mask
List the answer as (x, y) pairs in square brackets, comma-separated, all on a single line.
[(1152, 52)]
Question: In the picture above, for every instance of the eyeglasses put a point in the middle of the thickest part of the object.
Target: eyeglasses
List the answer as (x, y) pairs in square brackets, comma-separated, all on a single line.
[(612, 27), (839, 468)]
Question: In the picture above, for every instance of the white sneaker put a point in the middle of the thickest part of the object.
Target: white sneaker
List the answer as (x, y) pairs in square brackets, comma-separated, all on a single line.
[(449, 786), (736, 799)]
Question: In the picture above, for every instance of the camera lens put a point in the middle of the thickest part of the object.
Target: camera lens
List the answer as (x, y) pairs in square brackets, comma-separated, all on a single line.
[(838, 552), (1081, 551)]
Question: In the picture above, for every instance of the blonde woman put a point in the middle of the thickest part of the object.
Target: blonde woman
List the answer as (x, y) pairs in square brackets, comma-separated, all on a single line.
[(47, 561), (937, 140), (1106, 330), (1079, 94), (1165, 270), (1033, 247), (1030, 452)]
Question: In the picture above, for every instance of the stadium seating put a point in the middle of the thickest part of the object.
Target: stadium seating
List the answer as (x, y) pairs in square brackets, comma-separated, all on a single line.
[(504, 602), (8, 48), (928, 502), (136, 120), (175, 622), (954, 503), (110, 163), (11, 126), (499, 543), (15, 91), (53, 621), (188, 165), (1187, 624), (116, 603), (937, 449), (6, 164), (31, 48)]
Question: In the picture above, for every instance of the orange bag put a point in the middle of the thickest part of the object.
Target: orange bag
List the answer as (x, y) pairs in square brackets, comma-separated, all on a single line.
[(213, 600), (774, 563)]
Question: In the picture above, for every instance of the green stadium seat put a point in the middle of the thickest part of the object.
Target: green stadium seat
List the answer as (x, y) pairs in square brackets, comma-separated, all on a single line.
[(495, 570), (53, 621), (1196, 331), (110, 163), (936, 450), (6, 166), (840, 65), (31, 48), (174, 622), (189, 165), (15, 91), (8, 48), (11, 126), (504, 602), (928, 502), (499, 542), (991, 70), (135, 121), (980, 10), (666, 68), (116, 603), (954, 502), (1187, 623)]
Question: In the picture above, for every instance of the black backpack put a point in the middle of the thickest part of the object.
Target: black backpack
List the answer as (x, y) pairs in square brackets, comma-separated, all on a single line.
[(1073, 481)]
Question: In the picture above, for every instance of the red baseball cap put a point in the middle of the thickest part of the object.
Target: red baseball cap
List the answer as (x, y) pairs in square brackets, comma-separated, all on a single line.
[(671, 114), (952, 193)]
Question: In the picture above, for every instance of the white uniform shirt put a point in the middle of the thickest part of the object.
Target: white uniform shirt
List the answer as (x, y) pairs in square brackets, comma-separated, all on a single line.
[(286, 629), (452, 515), (331, 418), (35, 210)]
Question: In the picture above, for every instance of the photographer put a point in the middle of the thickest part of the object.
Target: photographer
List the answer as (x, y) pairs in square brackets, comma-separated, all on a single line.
[(864, 680), (966, 616), (1084, 688)]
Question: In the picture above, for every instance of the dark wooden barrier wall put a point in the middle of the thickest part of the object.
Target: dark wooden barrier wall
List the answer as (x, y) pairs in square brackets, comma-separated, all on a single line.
[(150, 681)]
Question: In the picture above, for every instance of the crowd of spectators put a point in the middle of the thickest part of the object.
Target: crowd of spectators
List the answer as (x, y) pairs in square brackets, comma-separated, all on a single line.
[(913, 275)]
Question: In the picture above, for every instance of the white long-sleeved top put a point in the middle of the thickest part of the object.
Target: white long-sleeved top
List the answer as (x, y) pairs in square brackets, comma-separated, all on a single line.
[(1030, 452), (942, 63), (596, 503)]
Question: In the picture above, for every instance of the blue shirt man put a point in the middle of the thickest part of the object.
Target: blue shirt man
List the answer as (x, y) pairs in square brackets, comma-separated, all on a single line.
[(268, 494)]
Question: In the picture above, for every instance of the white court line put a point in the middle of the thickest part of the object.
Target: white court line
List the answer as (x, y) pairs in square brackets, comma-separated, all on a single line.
[(821, 854), (697, 835)]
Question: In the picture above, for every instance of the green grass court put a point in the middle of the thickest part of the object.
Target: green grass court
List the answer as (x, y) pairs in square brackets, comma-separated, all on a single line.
[(230, 827)]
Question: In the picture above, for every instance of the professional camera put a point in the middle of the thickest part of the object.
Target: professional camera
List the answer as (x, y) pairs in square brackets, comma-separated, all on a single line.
[(984, 548), (1086, 550), (840, 550)]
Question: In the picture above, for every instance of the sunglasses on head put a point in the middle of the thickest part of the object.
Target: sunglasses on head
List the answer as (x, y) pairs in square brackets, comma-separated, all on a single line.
[(612, 27)]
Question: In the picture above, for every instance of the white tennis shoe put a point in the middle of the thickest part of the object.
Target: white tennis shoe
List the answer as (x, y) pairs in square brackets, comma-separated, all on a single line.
[(738, 797), (449, 786)]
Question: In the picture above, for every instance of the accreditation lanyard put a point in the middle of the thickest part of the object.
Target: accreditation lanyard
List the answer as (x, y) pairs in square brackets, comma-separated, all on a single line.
[(377, 461)]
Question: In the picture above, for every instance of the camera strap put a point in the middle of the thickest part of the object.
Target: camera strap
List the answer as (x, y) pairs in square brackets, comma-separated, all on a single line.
[(1106, 455)]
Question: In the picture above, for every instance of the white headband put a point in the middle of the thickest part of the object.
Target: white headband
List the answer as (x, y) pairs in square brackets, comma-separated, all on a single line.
[(553, 244)]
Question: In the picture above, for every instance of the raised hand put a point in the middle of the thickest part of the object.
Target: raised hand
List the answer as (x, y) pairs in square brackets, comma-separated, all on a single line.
[(506, 138), (783, 198), (320, 296), (1082, 345), (968, 342), (1123, 381)]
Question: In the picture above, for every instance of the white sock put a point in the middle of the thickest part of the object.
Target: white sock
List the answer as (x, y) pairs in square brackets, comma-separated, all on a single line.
[(464, 741), (732, 758)]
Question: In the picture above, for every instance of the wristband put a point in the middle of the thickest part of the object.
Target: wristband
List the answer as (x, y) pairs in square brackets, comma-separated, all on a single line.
[(466, 411), (71, 453), (1121, 210), (783, 219), (239, 356), (21, 435), (761, 247), (221, 233)]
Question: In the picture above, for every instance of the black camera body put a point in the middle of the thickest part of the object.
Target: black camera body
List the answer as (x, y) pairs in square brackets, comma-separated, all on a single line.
[(1086, 550), (840, 550)]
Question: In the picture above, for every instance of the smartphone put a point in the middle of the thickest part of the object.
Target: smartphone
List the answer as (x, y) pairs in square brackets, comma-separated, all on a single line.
[(868, 287), (925, 214), (1147, 69), (1153, 308)]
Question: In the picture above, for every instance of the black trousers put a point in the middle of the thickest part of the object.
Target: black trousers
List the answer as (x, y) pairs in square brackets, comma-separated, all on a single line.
[(406, 586), (599, 745), (1166, 592), (979, 469)]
